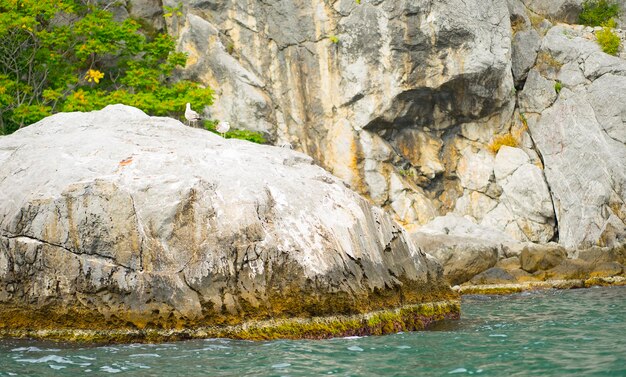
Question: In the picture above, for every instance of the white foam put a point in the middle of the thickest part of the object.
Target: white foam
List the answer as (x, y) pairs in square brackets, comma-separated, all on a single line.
[(145, 355), (281, 365), (46, 359), (109, 369), (458, 370), (34, 349)]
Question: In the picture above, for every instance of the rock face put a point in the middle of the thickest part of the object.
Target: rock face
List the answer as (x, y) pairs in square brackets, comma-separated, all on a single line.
[(581, 134), (114, 219), (402, 101), (558, 10), (371, 91), (406, 101)]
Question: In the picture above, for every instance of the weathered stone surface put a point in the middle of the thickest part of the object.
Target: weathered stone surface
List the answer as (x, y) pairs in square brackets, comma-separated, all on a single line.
[(494, 275), (525, 45), (559, 10), (392, 70), (581, 131), (115, 219), (461, 258), (525, 194), (522, 276), (597, 255), (607, 269), (462, 247), (570, 269), (538, 94), (539, 257), (509, 263), (149, 10), (518, 15)]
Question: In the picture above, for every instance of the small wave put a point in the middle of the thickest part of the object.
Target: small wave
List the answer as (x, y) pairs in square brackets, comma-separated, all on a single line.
[(145, 355), (34, 349), (109, 369), (355, 348), (281, 365), (458, 370), (47, 359)]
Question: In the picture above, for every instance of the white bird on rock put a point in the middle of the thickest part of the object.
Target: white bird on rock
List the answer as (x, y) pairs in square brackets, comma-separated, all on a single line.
[(191, 115), (222, 128)]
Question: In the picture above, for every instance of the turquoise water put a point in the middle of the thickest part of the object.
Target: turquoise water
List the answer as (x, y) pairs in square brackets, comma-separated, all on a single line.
[(570, 333)]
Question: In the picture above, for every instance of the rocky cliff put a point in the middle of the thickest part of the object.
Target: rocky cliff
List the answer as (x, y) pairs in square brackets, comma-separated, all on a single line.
[(127, 227), (408, 101)]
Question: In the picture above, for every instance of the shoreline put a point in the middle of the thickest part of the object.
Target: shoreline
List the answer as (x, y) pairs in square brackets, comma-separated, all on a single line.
[(382, 322), (504, 289), (406, 318)]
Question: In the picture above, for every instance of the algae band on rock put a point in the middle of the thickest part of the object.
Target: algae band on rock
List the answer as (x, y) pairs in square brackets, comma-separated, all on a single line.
[(119, 226)]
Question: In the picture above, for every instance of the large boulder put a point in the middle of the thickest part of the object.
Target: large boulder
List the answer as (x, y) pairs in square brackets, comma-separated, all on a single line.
[(117, 220), (462, 247), (535, 258)]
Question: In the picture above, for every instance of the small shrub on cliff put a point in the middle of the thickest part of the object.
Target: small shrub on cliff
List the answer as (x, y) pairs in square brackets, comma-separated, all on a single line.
[(558, 86), (607, 39), (251, 136), (63, 55), (502, 140), (598, 12)]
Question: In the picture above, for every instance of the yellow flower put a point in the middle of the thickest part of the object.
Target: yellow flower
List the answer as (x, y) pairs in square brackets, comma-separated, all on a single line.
[(94, 75)]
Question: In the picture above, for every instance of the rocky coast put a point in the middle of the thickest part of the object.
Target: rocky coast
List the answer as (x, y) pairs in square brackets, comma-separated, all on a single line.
[(479, 144)]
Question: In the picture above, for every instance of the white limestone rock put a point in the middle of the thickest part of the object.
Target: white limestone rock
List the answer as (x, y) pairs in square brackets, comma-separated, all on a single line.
[(145, 220)]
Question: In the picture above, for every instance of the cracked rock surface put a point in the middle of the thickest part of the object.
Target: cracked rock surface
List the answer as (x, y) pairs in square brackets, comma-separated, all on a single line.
[(114, 219)]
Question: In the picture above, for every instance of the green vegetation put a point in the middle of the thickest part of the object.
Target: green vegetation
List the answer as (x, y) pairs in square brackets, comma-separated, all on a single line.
[(602, 13), (607, 39), (252, 136), (173, 11), (410, 173), (598, 12), (64, 55), (557, 87)]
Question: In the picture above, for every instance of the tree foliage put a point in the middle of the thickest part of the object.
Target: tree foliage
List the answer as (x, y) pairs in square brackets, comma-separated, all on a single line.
[(69, 55)]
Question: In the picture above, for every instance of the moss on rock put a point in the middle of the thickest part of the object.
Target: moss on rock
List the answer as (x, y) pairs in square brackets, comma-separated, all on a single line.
[(407, 318)]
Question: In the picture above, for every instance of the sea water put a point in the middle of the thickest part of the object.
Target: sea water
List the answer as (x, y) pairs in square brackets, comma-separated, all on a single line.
[(547, 333)]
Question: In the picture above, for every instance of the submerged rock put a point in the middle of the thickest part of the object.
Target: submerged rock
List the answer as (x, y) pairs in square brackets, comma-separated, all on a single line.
[(115, 220)]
